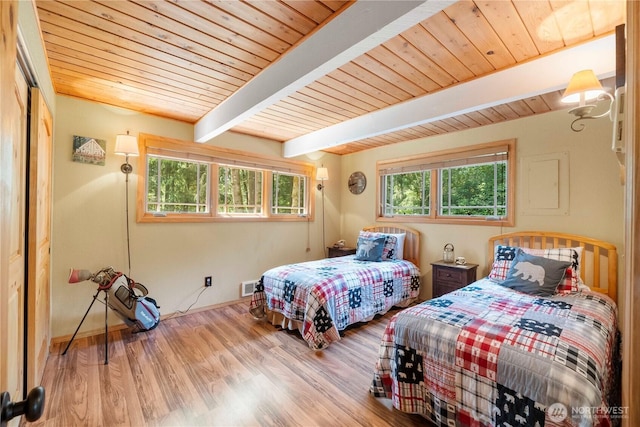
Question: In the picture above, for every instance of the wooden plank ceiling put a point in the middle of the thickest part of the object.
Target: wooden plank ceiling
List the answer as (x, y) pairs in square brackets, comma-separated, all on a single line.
[(182, 58)]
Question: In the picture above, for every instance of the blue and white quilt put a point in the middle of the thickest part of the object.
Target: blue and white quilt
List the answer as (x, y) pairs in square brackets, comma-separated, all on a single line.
[(330, 294)]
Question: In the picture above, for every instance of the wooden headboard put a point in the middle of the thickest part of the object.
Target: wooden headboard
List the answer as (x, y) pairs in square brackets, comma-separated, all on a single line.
[(599, 268), (411, 241)]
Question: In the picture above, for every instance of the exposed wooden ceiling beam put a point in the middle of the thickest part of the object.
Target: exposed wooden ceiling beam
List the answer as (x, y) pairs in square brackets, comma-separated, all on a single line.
[(361, 27), (551, 72)]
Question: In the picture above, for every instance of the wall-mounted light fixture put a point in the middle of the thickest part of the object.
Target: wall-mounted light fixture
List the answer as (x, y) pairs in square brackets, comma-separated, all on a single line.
[(584, 86), (126, 145), (322, 175)]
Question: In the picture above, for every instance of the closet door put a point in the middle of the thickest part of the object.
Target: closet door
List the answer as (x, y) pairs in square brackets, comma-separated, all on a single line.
[(13, 151), (39, 290)]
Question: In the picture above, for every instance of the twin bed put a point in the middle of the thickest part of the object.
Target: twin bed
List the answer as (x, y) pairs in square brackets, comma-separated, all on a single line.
[(489, 355), (509, 349), (321, 298)]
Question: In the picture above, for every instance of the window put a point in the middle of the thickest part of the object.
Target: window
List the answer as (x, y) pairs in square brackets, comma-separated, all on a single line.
[(176, 186), (407, 193), (239, 191), (289, 194), (182, 181), (476, 190), (470, 185)]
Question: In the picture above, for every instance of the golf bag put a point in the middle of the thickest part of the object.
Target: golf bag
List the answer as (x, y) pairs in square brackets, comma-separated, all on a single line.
[(130, 302), (127, 298)]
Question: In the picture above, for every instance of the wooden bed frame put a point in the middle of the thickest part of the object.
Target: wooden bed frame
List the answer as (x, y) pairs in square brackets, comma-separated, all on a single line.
[(411, 241), (599, 264)]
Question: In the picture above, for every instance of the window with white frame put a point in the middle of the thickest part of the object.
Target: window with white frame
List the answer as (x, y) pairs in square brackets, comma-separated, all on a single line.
[(239, 191), (185, 182), (469, 185), (407, 193), (289, 194), (176, 186)]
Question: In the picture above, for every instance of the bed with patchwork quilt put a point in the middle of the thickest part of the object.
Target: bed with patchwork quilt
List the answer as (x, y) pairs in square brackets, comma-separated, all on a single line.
[(503, 350), (322, 298)]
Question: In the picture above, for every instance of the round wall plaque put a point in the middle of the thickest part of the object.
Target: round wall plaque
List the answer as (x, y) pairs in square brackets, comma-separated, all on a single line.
[(357, 182)]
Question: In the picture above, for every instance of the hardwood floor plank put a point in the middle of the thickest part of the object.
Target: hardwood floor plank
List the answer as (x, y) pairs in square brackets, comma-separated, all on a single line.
[(218, 367)]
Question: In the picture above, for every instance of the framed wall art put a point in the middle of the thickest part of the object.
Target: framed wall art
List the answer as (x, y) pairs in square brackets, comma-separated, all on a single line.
[(89, 150)]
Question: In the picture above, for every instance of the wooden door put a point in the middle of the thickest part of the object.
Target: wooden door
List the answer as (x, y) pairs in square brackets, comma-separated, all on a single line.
[(13, 116), (38, 294)]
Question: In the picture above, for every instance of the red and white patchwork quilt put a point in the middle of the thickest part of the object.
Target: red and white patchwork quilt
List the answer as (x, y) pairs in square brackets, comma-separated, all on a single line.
[(330, 294), (486, 355)]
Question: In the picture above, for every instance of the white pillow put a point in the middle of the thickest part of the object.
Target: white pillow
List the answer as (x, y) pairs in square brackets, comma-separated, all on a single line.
[(399, 245)]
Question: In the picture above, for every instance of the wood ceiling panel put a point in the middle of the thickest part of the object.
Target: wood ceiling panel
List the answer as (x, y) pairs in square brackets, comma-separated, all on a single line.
[(181, 59), (365, 100), (431, 75), (350, 76), (542, 27), (520, 108), (422, 40), (346, 98), (388, 75), (101, 37), (573, 20), (318, 12), (221, 57), (210, 33), (472, 23), (288, 15), (454, 40), (506, 22), (337, 103), (408, 62), (245, 12), (156, 79), (234, 30), (83, 70)]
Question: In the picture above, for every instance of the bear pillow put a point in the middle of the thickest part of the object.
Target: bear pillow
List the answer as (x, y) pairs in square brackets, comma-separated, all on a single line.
[(535, 275)]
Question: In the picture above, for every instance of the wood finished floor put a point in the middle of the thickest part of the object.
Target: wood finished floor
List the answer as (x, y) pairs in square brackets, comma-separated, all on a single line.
[(218, 367)]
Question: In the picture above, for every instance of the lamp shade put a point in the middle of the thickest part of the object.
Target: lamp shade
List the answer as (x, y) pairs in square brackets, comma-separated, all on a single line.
[(322, 174), (127, 145), (584, 83)]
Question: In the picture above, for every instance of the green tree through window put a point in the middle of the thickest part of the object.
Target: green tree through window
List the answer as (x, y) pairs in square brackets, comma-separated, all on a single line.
[(288, 196), (176, 186), (466, 185), (187, 182)]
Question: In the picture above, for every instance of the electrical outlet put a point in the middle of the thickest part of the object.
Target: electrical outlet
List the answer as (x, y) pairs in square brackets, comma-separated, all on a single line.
[(207, 281)]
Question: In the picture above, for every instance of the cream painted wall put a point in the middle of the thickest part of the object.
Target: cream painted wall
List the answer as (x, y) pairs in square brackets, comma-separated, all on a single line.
[(89, 229), (596, 195), (172, 259)]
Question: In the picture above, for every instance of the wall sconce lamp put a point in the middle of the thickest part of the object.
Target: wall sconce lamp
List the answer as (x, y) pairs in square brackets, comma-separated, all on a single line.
[(322, 174), (126, 145), (584, 86)]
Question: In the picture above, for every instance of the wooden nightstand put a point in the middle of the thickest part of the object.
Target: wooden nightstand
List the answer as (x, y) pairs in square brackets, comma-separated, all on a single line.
[(448, 276), (336, 252)]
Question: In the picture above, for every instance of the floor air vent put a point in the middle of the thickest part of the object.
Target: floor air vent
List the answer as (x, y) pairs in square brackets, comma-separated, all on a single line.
[(248, 287)]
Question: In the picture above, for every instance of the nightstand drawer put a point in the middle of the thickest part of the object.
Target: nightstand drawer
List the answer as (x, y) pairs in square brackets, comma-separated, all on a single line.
[(448, 277), (453, 275), (442, 288)]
